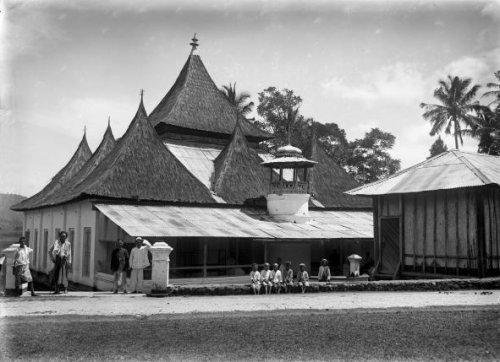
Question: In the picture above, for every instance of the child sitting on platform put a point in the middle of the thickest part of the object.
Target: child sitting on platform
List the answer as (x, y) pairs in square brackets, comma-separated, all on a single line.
[(255, 279), (276, 278), (303, 277), (288, 277), (265, 278)]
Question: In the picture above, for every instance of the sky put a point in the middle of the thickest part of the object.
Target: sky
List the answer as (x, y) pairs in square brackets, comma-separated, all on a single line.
[(67, 65)]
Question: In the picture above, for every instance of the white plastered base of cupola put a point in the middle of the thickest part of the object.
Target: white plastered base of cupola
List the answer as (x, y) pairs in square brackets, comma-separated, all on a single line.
[(289, 207)]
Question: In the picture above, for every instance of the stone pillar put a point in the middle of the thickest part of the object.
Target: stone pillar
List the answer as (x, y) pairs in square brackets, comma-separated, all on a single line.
[(160, 268), (8, 279), (354, 264)]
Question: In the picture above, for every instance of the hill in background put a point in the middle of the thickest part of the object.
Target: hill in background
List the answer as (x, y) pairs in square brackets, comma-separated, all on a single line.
[(11, 222)]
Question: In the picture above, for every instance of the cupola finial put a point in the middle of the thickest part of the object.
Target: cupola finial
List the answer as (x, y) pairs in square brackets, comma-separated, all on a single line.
[(194, 43)]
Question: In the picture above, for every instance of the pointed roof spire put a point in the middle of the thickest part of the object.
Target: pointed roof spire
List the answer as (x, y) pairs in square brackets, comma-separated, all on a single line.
[(194, 43), (237, 172), (109, 121), (79, 158), (195, 102), (139, 166)]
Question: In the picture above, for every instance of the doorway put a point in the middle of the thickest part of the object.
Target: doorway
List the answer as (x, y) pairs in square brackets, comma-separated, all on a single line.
[(389, 245)]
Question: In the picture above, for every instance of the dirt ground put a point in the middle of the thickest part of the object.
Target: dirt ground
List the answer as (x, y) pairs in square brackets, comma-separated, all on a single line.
[(107, 304), (468, 333)]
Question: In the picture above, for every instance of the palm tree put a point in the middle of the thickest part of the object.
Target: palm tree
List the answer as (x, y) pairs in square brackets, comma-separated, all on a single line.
[(486, 129), (495, 89), (240, 101), (456, 108)]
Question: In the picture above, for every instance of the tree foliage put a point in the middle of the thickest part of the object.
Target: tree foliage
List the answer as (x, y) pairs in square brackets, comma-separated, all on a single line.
[(486, 129), (455, 109), (369, 159), (240, 100), (366, 159), (437, 147)]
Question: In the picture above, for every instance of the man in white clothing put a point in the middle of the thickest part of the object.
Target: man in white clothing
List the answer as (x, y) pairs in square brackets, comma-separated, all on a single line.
[(138, 260)]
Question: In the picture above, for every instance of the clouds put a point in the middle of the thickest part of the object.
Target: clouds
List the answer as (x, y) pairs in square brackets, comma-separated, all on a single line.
[(400, 82)]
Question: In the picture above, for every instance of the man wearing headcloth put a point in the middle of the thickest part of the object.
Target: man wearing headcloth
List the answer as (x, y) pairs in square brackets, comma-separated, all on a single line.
[(60, 254)]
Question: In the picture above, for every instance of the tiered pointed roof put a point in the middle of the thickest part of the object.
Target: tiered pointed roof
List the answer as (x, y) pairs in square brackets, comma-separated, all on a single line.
[(141, 167), (238, 175), (76, 162), (105, 147), (194, 102), (329, 181)]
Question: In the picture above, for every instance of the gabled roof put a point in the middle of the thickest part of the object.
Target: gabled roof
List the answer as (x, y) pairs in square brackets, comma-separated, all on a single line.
[(329, 181), (141, 167), (238, 175), (195, 102), (449, 170), (79, 158)]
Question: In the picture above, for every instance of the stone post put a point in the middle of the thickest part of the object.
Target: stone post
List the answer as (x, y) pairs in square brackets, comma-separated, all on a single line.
[(160, 269), (354, 265), (9, 283)]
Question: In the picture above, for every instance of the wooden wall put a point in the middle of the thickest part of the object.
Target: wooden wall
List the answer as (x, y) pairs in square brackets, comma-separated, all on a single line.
[(440, 232)]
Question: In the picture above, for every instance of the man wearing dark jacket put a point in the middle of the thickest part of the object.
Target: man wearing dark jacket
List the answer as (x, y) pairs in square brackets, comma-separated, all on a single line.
[(119, 267)]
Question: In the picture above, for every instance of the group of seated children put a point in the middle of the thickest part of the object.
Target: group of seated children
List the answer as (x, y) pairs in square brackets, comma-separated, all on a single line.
[(278, 278)]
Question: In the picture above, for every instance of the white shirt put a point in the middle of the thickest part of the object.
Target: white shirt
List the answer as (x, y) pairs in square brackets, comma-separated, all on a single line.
[(255, 276), (276, 276), (265, 275), (139, 256), (61, 249)]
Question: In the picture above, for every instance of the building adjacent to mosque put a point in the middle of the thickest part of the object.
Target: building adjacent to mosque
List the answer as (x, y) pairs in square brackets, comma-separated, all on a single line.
[(438, 218), (191, 174)]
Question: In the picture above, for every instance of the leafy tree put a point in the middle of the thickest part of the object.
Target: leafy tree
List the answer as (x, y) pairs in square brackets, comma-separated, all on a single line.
[(494, 90), (486, 129), (437, 147), (276, 107), (369, 159), (366, 159), (240, 101), (456, 108)]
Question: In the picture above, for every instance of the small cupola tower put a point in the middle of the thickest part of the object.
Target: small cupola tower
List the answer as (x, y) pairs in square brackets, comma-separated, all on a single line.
[(288, 197)]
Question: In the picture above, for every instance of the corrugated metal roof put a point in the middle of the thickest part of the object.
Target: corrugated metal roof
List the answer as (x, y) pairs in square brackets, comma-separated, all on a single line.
[(450, 170), (178, 221)]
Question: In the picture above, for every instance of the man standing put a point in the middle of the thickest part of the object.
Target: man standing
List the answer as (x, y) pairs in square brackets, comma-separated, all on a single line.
[(22, 267), (138, 261), (119, 267), (60, 254)]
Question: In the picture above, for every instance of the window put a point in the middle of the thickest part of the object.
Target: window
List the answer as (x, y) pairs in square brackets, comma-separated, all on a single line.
[(35, 246), (86, 252), (56, 233), (45, 248), (27, 234), (71, 239)]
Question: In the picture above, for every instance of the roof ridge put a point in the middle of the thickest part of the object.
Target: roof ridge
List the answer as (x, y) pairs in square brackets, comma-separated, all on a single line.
[(479, 174), (400, 172), (225, 154)]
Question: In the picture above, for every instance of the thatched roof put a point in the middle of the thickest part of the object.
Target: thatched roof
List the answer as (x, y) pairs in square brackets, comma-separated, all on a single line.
[(105, 147), (238, 175), (141, 167), (79, 158), (329, 181), (194, 102)]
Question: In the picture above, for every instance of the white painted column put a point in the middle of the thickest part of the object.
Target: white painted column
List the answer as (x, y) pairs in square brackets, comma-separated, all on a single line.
[(354, 265), (160, 275)]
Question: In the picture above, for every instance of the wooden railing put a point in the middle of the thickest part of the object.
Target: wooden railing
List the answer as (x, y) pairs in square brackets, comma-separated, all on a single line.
[(289, 187)]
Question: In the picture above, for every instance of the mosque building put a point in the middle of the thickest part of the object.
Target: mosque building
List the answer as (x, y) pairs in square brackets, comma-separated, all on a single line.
[(191, 173)]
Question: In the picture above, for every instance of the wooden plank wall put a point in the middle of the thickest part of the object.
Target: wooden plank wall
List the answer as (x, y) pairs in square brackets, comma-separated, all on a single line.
[(439, 230), (492, 225)]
